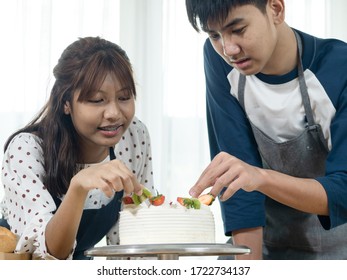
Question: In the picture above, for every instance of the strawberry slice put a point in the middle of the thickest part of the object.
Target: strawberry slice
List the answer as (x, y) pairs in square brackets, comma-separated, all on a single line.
[(206, 199), (157, 200), (128, 200)]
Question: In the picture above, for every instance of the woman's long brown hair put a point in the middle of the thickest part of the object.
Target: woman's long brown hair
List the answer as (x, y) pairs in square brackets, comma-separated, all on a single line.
[(82, 66)]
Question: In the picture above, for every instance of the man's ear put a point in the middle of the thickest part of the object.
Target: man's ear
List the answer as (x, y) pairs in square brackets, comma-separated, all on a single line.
[(278, 10), (67, 108)]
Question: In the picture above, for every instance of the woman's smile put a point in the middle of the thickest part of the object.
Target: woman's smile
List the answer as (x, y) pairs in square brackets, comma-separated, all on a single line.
[(111, 131)]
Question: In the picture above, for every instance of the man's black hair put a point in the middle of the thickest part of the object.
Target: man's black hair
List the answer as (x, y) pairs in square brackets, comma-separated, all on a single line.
[(201, 11)]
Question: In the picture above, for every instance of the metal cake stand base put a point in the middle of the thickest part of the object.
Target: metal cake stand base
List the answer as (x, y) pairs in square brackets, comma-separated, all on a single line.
[(168, 251)]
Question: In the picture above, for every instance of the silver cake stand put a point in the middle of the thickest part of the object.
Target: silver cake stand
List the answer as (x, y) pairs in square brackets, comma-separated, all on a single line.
[(168, 251)]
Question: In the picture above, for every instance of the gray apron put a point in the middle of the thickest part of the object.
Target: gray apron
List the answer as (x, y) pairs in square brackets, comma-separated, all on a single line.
[(289, 233)]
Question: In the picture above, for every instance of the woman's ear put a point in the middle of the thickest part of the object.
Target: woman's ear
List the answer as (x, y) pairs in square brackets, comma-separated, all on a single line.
[(67, 108), (278, 10)]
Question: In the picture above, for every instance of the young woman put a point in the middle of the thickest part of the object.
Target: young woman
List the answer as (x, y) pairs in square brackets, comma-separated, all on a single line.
[(65, 173)]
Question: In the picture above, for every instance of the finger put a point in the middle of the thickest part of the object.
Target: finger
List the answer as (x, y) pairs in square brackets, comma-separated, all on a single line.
[(223, 181), (117, 183), (138, 188), (230, 191), (215, 170), (134, 185), (197, 189), (119, 176), (130, 181), (110, 179), (217, 188), (205, 180), (105, 186), (236, 184)]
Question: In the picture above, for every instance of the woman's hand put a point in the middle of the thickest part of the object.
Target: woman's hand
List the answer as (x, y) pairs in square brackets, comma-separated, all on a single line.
[(109, 177), (227, 171)]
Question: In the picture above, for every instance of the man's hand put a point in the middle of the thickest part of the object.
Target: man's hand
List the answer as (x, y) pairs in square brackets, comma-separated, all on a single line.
[(227, 171)]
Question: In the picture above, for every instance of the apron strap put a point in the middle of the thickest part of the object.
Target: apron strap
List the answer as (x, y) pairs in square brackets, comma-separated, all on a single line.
[(111, 152), (241, 91), (302, 84)]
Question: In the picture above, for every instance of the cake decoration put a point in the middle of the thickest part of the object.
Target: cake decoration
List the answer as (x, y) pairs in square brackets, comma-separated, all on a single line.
[(206, 199), (186, 220), (157, 200)]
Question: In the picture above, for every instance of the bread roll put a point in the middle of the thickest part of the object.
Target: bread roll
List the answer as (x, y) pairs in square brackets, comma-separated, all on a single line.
[(8, 240)]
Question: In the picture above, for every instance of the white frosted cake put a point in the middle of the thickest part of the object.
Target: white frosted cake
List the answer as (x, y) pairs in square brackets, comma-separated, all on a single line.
[(167, 224)]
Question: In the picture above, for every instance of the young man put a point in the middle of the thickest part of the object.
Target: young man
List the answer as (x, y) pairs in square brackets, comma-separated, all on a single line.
[(277, 122)]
